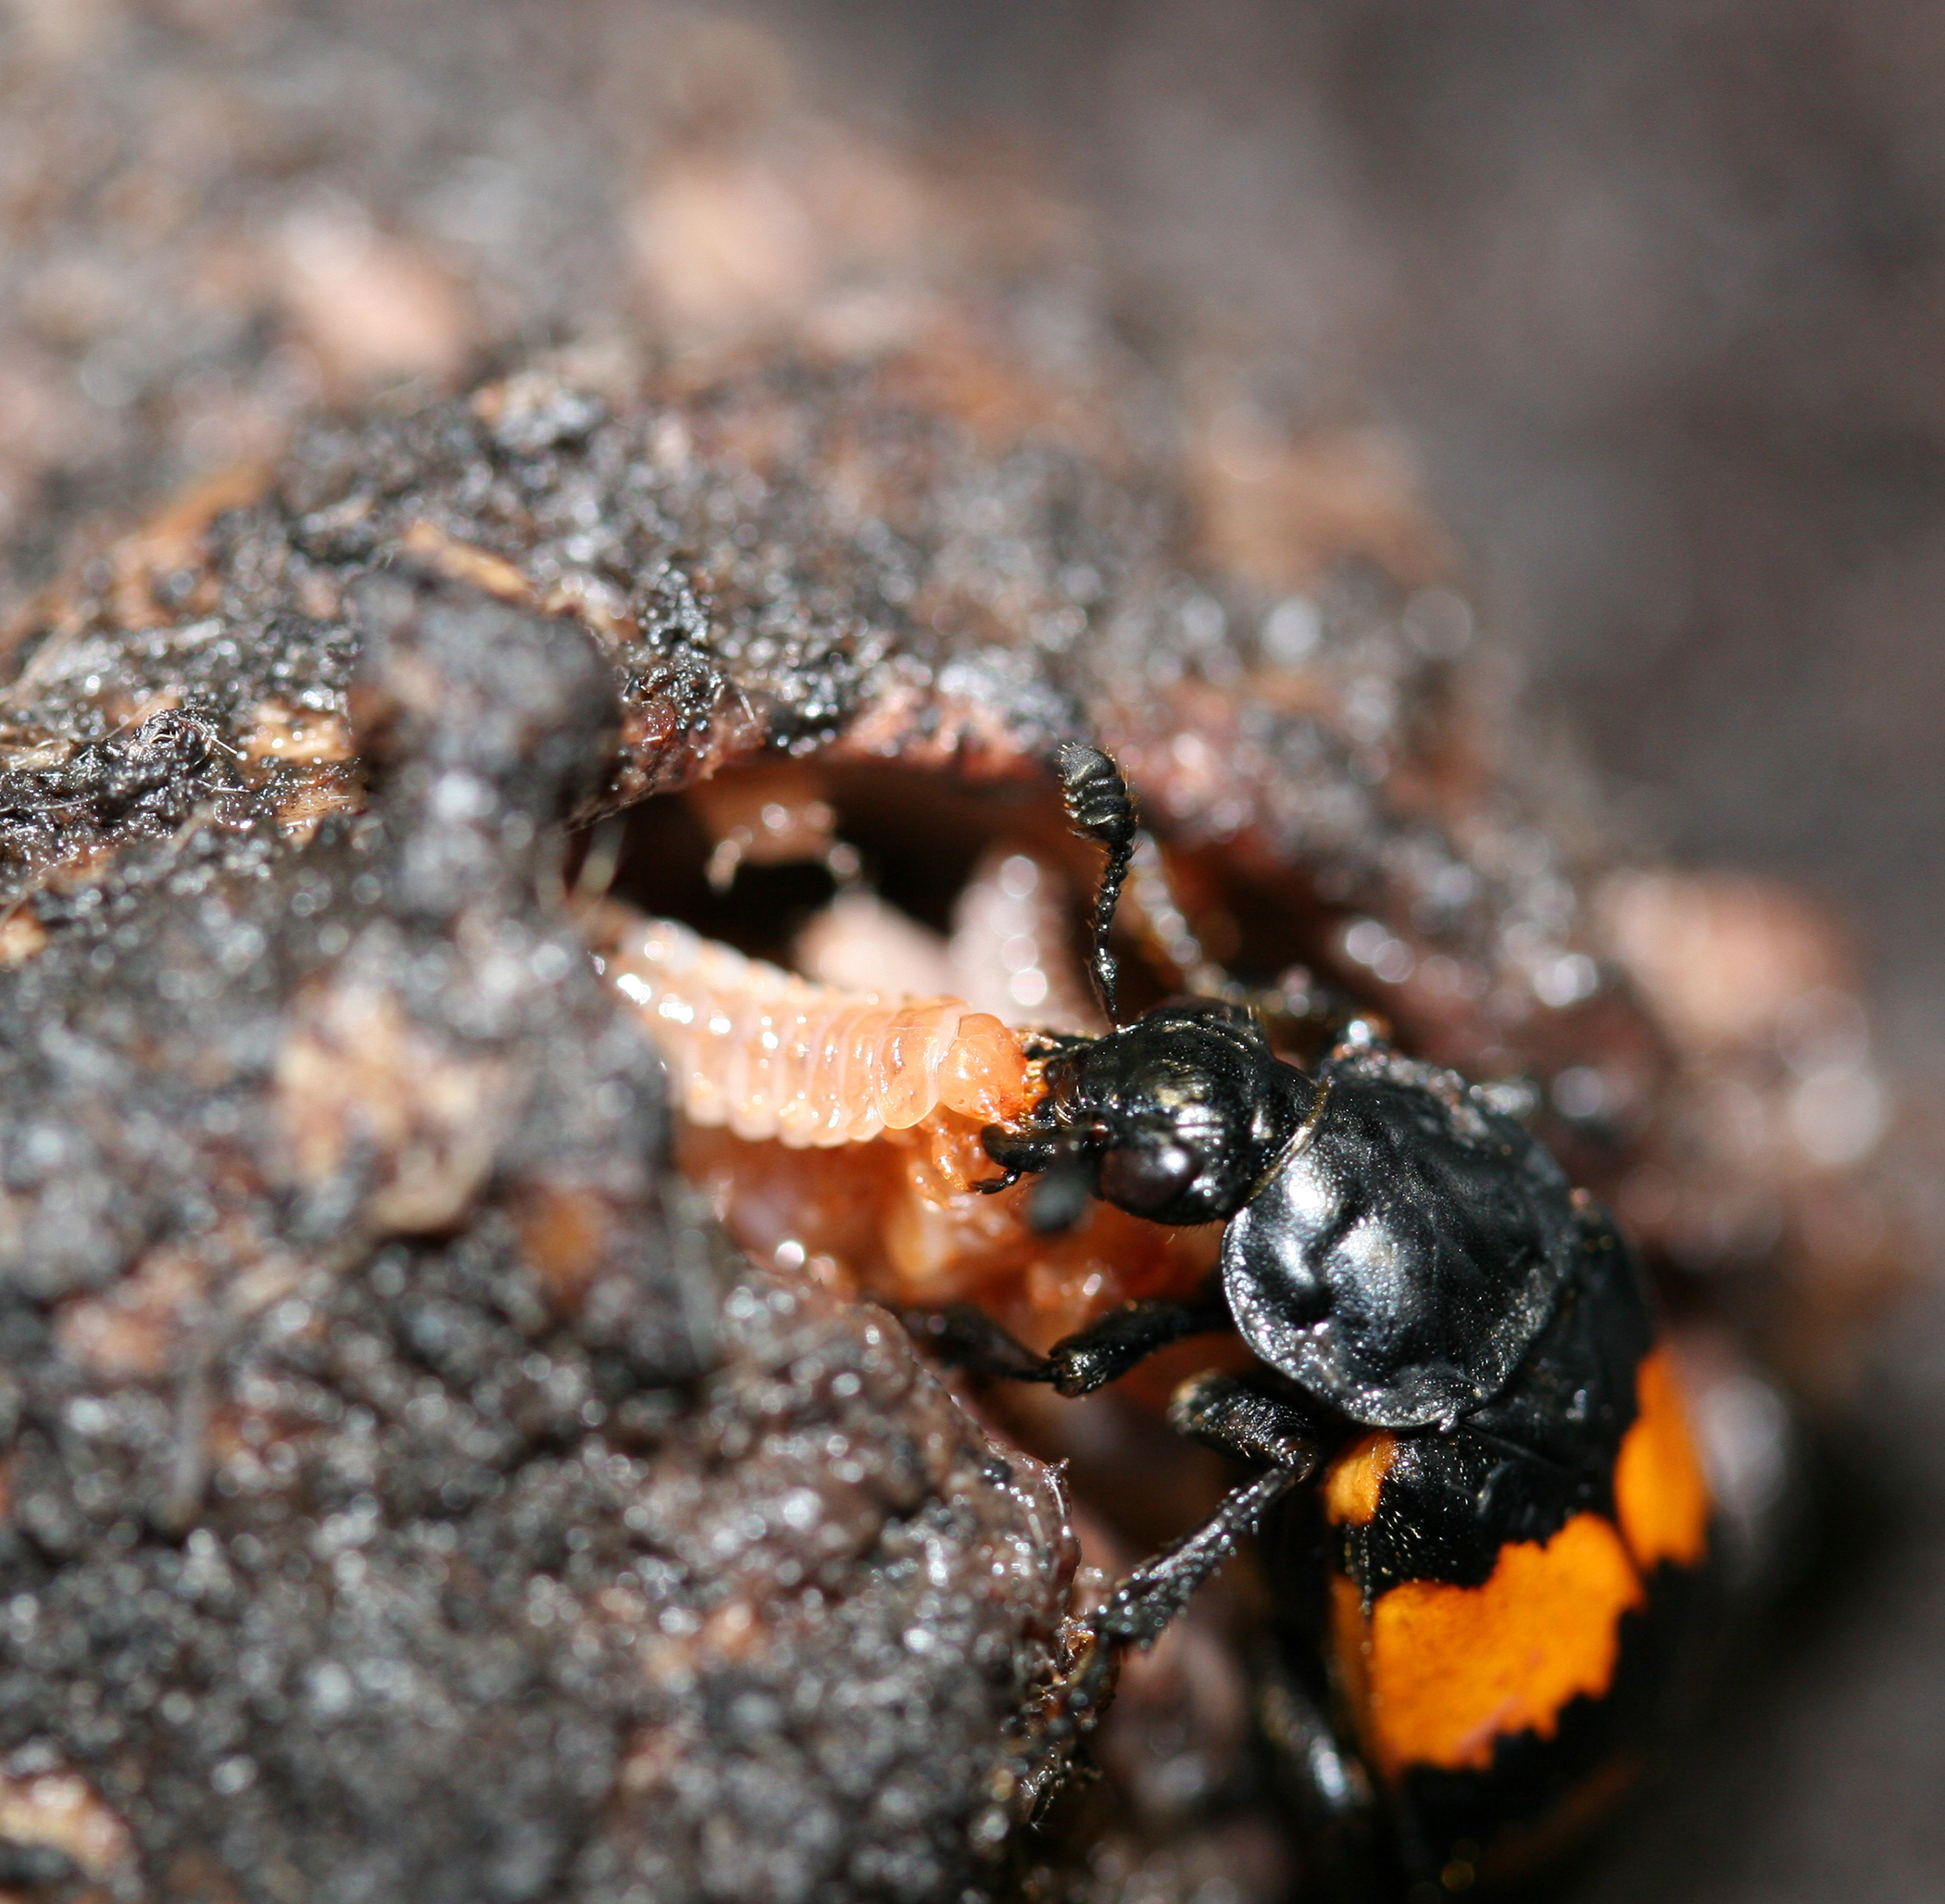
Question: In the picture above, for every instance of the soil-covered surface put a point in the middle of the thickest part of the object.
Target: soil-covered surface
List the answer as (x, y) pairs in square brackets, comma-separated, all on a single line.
[(410, 1492), (405, 1495)]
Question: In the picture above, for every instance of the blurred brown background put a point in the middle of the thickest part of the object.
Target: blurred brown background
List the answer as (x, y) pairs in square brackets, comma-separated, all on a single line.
[(1649, 296)]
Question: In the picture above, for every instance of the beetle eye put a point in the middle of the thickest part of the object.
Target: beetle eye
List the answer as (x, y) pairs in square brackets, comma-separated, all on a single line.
[(1146, 1178)]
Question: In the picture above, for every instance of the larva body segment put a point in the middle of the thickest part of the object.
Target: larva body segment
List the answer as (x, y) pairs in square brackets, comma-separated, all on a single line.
[(765, 1054)]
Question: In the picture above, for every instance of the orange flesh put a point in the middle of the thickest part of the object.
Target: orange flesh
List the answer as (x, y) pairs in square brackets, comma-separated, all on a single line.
[(894, 1219)]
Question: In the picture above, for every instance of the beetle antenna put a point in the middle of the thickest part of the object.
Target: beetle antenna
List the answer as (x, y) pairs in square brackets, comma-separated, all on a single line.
[(1099, 807)]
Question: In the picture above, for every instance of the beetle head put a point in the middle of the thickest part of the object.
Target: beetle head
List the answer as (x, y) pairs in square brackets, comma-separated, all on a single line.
[(1176, 1117)]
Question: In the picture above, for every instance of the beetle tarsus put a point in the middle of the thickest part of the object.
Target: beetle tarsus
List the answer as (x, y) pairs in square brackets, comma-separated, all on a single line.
[(1093, 1356), (968, 1338)]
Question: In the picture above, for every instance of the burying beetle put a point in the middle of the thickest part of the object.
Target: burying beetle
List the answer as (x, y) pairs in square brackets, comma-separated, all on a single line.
[(1488, 1591)]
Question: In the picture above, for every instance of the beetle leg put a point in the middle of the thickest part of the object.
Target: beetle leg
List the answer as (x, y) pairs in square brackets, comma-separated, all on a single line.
[(1329, 1777), (1094, 1356), (1135, 1613), (1324, 1776), (1327, 1782), (1226, 1413), (968, 1338)]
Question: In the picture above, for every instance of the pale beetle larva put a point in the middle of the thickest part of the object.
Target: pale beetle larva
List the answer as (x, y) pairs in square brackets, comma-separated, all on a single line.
[(896, 1086), (766, 1054)]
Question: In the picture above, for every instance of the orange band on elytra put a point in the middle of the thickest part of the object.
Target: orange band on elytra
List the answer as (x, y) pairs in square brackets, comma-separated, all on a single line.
[(1439, 1673), (1356, 1477), (1660, 1492)]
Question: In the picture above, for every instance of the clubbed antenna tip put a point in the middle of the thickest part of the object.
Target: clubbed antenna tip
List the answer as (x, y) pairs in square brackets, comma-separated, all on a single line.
[(1099, 807)]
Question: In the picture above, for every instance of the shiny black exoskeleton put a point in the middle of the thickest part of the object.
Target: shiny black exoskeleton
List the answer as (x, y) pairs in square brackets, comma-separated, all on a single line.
[(1177, 1118), (1451, 1338), (1394, 1243), (1393, 1258)]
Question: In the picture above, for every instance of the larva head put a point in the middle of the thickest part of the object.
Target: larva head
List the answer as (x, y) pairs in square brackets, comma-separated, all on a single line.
[(1176, 1117)]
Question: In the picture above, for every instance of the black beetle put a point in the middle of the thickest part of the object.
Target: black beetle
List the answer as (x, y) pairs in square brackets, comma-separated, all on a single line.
[(1507, 1549)]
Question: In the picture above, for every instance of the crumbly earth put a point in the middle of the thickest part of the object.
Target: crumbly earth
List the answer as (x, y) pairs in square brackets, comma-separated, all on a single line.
[(374, 1404), (910, 557), (409, 1490), (405, 1495)]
